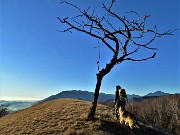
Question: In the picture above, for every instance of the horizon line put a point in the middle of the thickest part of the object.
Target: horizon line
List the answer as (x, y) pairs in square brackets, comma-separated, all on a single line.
[(38, 99)]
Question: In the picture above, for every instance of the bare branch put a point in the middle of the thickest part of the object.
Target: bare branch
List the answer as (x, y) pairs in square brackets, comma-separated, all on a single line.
[(104, 30), (64, 1), (133, 12), (144, 59), (112, 2), (84, 31)]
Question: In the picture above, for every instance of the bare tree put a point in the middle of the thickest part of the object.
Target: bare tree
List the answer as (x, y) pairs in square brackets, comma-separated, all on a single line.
[(124, 38)]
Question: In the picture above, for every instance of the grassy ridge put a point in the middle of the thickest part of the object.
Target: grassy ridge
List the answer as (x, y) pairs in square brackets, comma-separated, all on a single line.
[(66, 117)]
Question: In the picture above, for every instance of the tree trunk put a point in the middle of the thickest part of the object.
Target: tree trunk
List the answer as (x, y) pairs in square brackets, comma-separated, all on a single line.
[(96, 95), (100, 76)]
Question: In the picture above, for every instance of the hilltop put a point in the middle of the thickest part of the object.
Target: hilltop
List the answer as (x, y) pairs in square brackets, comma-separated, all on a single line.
[(68, 117)]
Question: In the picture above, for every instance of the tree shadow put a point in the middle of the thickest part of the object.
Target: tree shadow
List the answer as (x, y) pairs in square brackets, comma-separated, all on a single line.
[(115, 128)]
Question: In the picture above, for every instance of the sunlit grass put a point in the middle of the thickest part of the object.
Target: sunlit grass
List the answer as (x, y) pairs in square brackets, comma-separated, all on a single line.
[(66, 117)]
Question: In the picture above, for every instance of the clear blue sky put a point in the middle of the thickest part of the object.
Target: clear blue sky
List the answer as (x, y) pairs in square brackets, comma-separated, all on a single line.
[(36, 61)]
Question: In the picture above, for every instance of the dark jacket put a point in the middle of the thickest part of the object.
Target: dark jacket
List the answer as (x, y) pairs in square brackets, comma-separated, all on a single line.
[(116, 96)]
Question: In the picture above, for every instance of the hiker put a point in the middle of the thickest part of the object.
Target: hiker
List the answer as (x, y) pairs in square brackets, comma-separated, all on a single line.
[(120, 99)]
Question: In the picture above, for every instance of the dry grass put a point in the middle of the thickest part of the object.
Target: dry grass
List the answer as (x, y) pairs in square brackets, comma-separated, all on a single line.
[(66, 117), (163, 111)]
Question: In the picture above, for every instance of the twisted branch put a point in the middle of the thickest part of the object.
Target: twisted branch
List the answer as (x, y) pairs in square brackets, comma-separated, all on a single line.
[(103, 29)]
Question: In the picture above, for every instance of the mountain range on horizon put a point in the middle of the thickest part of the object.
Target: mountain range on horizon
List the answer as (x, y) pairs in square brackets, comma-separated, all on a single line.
[(88, 96), (76, 94)]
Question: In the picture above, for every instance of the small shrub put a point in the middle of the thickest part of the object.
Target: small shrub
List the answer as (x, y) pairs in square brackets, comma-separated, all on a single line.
[(3, 110)]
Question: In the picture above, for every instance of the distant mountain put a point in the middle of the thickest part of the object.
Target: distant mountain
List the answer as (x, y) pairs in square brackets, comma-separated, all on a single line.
[(88, 96), (138, 99), (133, 96), (78, 94), (84, 95), (157, 93), (149, 96)]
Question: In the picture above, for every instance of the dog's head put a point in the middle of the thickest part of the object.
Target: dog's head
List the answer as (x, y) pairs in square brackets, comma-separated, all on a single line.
[(122, 109)]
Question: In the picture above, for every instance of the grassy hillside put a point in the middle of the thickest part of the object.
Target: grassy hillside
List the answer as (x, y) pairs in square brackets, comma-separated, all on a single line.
[(67, 117)]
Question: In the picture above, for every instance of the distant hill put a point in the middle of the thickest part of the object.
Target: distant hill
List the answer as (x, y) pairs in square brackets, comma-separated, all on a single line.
[(69, 117), (78, 94), (88, 96), (137, 99), (149, 96), (157, 93), (75, 94)]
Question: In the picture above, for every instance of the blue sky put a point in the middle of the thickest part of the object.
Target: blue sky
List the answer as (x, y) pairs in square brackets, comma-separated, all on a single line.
[(37, 61)]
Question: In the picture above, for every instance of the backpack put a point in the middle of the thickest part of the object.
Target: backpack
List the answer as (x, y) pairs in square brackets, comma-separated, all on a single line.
[(122, 94)]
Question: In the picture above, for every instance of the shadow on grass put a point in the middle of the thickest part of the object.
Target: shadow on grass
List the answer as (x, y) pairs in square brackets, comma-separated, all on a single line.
[(115, 128)]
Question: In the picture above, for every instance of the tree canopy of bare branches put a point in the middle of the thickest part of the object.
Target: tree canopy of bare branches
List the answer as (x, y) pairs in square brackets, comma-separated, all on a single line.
[(121, 35)]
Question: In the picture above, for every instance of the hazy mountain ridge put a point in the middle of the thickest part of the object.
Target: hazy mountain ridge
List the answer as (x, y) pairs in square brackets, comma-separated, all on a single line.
[(157, 93), (150, 95), (76, 94), (88, 96)]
